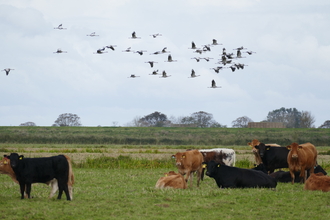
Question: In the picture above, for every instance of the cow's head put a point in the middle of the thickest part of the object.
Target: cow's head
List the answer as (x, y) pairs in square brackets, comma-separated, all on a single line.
[(253, 145), (211, 167), (179, 158), (262, 149), (14, 159), (294, 148)]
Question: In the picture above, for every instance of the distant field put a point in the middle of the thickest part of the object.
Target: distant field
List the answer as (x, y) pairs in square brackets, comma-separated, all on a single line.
[(161, 135)]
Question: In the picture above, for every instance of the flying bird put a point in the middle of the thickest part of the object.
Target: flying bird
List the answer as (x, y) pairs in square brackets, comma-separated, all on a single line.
[(101, 51), (155, 72), (193, 74), (250, 52), (193, 46), (233, 68), (169, 59), (214, 85), (207, 58), (155, 35), (164, 75), (92, 35), (197, 58), (151, 63), (217, 69), (214, 42), (140, 52), (112, 47), (60, 51), (60, 27), (133, 76), (134, 36), (198, 51), (7, 70), (128, 50), (240, 65), (206, 48)]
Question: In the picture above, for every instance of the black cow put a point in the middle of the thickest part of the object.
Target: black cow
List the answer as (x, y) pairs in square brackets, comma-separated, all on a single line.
[(40, 170), (273, 157), (285, 177), (234, 177)]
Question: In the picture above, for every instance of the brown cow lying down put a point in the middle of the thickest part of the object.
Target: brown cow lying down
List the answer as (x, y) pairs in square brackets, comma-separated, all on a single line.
[(5, 168), (171, 180), (318, 182)]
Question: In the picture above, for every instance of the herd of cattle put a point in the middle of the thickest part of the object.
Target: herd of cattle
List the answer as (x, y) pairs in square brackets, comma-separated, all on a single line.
[(300, 159), (219, 163)]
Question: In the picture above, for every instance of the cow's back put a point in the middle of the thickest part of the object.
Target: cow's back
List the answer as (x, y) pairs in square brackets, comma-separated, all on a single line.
[(318, 182), (175, 181)]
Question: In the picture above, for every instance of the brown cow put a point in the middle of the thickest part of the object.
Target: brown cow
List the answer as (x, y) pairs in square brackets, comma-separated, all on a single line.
[(318, 181), (255, 151), (188, 162), (171, 180), (5, 168), (301, 157)]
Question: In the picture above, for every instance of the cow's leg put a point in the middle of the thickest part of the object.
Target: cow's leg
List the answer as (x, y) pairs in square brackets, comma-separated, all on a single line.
[(292, 176), (28, 189), (54, 185), (302, 175), (22, 189), (199, 175)]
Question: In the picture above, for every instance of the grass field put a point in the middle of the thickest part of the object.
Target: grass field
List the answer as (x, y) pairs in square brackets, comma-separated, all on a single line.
[(117, 182)]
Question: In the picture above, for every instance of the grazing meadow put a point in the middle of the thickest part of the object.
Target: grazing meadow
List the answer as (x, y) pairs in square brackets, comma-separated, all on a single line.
[(116, 181)]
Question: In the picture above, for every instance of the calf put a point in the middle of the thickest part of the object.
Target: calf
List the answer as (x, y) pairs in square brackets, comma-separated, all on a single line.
[(188, 162), (41, 170), (318, 182), (171, 180), (233, 177), (219, 155), (300, 158), (285, 177)]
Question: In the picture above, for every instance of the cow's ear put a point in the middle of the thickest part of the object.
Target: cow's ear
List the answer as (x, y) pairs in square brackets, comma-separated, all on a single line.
[(21, 157), (300, 147), (183, 156), (218, 165), (249, 144), (204, 165), (5, 162), (288, 147), (267, 148)]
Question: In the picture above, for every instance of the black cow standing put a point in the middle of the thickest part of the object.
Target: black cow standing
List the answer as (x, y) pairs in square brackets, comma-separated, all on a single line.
[(40, 170), (273, 157), (234, 177)]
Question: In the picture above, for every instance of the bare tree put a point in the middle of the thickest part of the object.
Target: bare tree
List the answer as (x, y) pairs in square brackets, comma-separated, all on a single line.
[(29, 123), (307, 120), (241, 122), (67, 119), (326, 124)]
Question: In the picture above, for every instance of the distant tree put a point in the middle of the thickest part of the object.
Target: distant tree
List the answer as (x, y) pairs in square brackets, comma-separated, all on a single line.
[(241, 122), (155, 119), (200, 119), (67, 119), (29, 123), (326, 124), (291, 117), (307, 120)]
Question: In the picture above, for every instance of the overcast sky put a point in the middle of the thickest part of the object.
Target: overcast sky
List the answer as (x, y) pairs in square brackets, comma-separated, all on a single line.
[(289, 69)]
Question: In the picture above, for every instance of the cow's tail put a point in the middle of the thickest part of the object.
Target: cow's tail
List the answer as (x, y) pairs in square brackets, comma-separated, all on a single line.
[(70, 177)]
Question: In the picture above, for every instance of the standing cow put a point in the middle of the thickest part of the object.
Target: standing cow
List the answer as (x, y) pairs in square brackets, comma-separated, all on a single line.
[(188, 162), (273, 156), (301, 157), (234, 177), (41, 170), (171, 180)]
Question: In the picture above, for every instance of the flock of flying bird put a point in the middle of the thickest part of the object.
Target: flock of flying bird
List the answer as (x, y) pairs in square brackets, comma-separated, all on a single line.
[(226, 58)]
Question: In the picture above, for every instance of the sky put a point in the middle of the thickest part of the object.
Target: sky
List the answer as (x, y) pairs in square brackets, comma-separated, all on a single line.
[(291, 41)]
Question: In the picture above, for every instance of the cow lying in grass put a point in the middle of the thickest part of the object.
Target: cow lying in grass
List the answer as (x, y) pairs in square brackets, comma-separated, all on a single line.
[(171, 180), (43, 170), (233, 177), (317, 181)]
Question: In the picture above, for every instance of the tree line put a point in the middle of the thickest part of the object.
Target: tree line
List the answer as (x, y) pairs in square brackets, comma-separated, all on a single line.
[(290, 117)]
